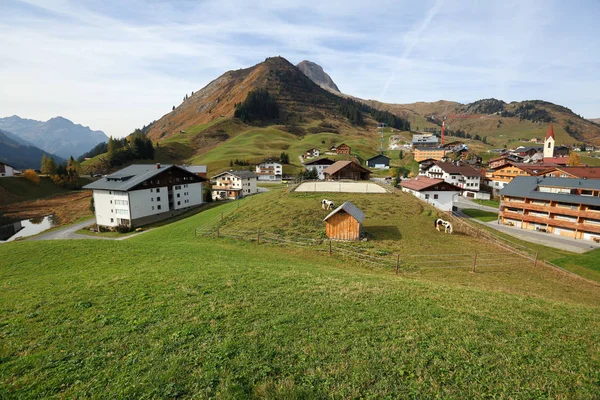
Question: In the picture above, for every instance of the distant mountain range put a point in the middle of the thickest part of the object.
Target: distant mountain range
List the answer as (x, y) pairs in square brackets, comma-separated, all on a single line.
[(20, 153), (56, 136)]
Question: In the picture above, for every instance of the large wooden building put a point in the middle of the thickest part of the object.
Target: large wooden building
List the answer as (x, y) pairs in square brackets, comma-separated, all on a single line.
[(345, 222), (349, 170), (560, 206)]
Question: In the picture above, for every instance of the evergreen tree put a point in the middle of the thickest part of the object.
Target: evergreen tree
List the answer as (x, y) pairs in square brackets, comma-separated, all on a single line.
[(44, 167)]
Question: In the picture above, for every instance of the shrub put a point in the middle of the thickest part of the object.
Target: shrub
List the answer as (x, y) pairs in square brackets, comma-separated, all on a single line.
[(31, 176)]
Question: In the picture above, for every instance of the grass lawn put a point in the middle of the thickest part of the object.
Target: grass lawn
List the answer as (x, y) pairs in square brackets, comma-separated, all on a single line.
[(489, 203), (165, 315), (481, 215)]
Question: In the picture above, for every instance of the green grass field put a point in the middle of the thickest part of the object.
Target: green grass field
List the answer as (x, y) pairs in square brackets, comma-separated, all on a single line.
[(481, 215), (165, 315), (20, 189), (489, 203)]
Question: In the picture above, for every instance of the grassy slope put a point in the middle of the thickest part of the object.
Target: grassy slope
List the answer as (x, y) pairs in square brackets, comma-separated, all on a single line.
[(484, 216), (17, 189), (145, 318)]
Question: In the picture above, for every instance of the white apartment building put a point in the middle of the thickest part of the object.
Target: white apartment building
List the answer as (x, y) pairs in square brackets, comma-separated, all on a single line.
[(234, 185), (319, 166), (143, 193), (269, 171)]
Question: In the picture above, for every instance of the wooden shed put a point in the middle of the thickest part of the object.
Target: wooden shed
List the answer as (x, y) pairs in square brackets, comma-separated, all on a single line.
[(345, 222), (349, 170)]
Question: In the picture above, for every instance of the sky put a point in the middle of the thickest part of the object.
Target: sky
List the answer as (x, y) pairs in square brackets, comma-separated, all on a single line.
[(117, 65)]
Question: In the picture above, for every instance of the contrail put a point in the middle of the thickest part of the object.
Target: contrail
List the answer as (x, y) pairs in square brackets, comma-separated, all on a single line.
[(424, 24)]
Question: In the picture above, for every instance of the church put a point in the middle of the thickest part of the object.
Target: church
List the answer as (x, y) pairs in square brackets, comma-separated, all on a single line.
[(552, 153)]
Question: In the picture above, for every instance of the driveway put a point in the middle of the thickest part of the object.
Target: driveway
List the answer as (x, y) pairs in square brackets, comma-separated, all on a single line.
[(69, 233)]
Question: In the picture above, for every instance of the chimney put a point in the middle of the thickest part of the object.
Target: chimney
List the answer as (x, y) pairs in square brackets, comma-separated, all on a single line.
[(157, 165)]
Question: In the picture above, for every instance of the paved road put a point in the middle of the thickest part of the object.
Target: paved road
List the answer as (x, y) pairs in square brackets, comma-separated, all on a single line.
[(68, 233), (546, 239)]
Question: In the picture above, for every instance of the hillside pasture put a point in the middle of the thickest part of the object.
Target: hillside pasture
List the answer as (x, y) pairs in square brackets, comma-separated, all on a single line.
[(167, 315)]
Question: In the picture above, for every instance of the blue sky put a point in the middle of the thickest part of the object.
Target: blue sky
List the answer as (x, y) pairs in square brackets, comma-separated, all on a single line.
[(117, 65)]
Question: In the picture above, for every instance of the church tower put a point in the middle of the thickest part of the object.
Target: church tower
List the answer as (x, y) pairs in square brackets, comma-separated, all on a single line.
[(549, 143)]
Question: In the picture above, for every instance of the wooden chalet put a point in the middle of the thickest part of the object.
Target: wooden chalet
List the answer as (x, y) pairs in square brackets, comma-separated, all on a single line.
[(349, 170), (344, 223)]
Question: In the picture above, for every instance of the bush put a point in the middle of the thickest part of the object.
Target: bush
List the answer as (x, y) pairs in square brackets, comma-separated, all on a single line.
[(124, 228), (31, 176)]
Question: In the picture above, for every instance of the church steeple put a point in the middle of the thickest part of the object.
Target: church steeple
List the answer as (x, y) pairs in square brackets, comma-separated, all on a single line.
[(549, 143)]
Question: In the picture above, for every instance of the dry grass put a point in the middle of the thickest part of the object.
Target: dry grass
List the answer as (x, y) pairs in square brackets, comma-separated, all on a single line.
[(67, 207)]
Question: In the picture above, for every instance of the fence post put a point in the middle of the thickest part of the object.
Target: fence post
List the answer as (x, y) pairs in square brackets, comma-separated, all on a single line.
[(397, 263), (329, 246), (258, 236), (536, 259), (474, 263)]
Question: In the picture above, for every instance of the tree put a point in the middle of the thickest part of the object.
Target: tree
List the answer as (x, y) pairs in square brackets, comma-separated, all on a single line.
[(173, 109), (31, 176), (44, 167), (574, 160), (284, 158), (401, 155), (50, 166)]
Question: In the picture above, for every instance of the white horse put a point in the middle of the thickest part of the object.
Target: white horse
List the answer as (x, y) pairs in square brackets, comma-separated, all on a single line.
[(446, 224), (327, 204)]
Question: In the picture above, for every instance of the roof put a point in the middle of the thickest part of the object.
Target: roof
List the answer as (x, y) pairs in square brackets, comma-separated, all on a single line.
[(525, 149), (550, 133), (581, 172), (556, 160), (239, 174), (339, 165), (526, 186), (424, 139), (532, 169), (129, 177), (350, 209), (321, 161), (196, 169), (377, 156), (451, 168), (421, 183)]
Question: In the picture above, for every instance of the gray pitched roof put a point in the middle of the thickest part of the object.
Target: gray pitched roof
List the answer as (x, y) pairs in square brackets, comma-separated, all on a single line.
[(378, 156), (526, 186), (196, 169), (350, 209), (239, 174), (128, 177)]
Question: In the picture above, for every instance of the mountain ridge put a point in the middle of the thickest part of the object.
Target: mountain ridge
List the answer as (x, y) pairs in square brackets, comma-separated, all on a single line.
[(316, 73), (57, 135), (19, 154)]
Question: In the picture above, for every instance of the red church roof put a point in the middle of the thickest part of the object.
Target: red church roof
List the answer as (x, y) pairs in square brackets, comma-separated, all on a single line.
[(550, 132)]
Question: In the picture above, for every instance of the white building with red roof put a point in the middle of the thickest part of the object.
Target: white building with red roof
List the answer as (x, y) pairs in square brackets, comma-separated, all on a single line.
[(436, 192)]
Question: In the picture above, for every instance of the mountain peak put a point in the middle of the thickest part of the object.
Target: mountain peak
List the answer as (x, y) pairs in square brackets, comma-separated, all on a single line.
[(316, 73)]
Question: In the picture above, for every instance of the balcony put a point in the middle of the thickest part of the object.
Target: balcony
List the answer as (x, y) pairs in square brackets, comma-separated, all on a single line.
[(552, 209), (551, 222)]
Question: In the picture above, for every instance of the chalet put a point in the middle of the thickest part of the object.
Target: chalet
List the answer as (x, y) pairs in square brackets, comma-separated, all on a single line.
[(233, 185), (341, 149), (344, 223), (6, 170), (436, 192), (559, 206), (199, 170), (346, 170), (424, 141), (503, 160), (425, 164), (379, 161), (311, 153), (467, 178), (319, 166), (525, 151), (423, 153), (501, 176), (270, 171), (143, 193)]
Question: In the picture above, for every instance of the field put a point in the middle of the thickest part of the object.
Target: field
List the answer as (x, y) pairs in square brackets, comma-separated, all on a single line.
[(484, 216), (167, 315), (13, 190)]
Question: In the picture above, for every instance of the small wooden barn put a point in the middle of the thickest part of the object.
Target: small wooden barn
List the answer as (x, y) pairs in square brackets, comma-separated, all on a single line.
[(349, 170), (345, 222)]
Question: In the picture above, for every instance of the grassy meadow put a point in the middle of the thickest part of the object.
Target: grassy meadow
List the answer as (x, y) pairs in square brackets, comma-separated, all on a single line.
[(485, 216), (165, 315)]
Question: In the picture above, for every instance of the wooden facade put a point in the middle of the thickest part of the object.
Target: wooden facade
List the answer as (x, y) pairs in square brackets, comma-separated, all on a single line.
[(349, 170), (343, 226), (343, 149), (344, 223)]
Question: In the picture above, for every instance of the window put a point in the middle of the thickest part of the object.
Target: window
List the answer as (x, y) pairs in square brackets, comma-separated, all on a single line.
[(112, 211), (178, 195), (151, 198), (151, 190), (152, 208), (435, 196), (109, 192), (158, 207), (178, 203), (158, 199), (111, 202), (112, 220), (426, 197), (157, 189)]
